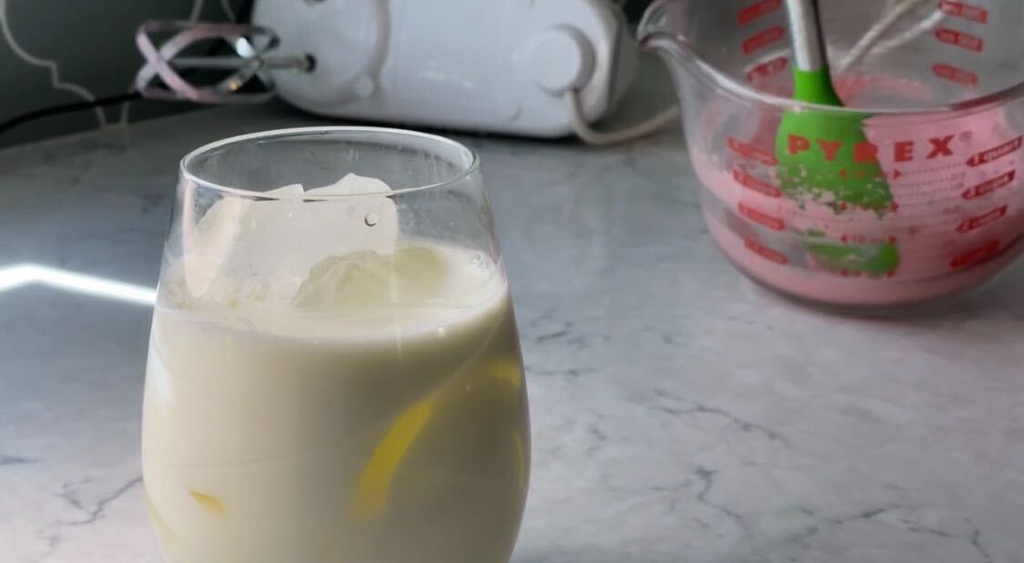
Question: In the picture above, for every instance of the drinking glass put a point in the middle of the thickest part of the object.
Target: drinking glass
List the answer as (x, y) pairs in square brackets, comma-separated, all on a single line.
[(334, 370)]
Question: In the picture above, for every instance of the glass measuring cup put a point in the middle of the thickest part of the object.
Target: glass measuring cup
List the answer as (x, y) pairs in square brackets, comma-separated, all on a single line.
[(936, 88), (334, 372)]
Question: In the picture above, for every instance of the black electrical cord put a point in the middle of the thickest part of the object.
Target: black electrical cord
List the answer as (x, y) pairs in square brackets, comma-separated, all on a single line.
[(67, 108), (242, 15)]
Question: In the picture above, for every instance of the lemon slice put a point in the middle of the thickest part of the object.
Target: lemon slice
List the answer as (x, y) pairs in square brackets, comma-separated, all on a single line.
[(209, 503), (372, 491), (517, 440), (162, 529)]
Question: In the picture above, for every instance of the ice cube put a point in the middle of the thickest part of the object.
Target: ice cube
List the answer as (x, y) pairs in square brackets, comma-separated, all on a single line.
[(412, 275), (241, 243), (352, 184), (293, 236), (290, 189), (371, 222), (217, 237)]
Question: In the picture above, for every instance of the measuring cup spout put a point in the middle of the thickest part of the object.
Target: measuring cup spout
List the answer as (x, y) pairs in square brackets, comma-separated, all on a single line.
[(661, 33)]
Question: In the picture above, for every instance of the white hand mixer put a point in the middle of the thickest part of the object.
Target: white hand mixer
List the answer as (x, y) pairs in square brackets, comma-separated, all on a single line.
[(540, 69)]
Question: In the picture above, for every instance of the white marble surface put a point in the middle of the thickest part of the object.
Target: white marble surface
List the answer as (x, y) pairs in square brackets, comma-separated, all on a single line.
[(680, 413)]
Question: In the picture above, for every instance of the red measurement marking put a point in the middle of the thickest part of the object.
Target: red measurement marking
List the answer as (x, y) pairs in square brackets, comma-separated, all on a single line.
[(751, 152), (984, 157), (954, 74), (982, 220), (968, 12), (989, 186), (765, 252), (762, 218), (976, 256), (763, 39), (766, 69), (757, 10), (960, 39), (759, 186)]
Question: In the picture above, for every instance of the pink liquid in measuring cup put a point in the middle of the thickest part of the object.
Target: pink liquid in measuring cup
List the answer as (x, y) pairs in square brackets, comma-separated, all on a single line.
[(955, 218)]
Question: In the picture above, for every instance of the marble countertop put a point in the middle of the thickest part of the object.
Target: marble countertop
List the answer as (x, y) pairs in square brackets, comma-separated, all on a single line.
[(680, 412)]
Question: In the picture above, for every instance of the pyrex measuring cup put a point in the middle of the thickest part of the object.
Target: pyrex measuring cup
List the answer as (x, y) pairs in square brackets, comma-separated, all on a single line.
[(937, 88)]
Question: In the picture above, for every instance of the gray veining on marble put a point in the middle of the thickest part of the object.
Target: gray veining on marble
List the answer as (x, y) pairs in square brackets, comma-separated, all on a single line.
[(680, 412)]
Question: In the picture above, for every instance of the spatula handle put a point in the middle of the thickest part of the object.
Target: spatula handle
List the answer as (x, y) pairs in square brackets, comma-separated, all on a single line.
[(808, 41)]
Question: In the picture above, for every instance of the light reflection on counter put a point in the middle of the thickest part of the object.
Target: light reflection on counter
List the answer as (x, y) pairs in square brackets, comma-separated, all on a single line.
[(19, 275)]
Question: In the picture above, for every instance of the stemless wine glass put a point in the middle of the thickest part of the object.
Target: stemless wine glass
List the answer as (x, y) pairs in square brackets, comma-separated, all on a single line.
[(334, 369)]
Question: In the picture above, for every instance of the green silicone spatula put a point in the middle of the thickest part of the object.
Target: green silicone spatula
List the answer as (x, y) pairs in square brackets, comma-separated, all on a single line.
[(824, 156)]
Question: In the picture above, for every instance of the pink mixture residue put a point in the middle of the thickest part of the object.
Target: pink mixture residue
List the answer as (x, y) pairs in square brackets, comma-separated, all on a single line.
[(957, 217)]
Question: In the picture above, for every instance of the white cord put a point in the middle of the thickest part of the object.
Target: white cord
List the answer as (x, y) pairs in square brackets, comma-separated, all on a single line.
[(871, 41), (590, 136)]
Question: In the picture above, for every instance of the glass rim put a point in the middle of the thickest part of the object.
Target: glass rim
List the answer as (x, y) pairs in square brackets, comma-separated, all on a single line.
[(724, 84), (464, 171)]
